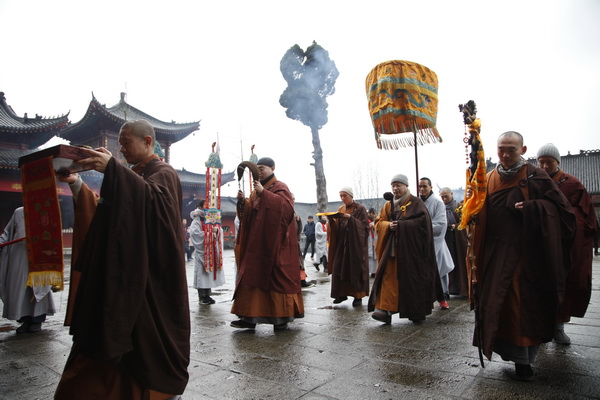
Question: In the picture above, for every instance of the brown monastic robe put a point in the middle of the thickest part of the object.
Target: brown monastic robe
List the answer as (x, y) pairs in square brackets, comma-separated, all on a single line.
[(521, 256), (407, 274), (457, 244), (85, 207), (579, 279), (268, 284), (348, 262), (130, 322)]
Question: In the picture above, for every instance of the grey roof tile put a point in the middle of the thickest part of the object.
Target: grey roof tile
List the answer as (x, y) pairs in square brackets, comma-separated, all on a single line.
[(24, 130)]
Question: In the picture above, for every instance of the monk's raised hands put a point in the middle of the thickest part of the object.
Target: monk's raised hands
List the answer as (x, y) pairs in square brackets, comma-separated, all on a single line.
[(97, 160), (68, 178)]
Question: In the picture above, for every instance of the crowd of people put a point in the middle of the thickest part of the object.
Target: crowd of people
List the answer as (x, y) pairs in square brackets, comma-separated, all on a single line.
[(525, 263)]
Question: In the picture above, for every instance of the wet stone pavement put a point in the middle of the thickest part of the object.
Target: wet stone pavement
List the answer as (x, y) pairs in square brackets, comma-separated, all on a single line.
[(334, 352)]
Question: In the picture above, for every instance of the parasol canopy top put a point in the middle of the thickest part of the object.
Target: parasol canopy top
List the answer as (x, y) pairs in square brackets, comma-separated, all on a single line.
[(403, 98)]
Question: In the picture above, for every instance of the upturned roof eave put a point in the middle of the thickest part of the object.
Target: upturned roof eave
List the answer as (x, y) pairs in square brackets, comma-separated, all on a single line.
[(172, 132)]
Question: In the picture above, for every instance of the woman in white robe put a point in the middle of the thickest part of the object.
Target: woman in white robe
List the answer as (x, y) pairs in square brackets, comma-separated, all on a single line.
[(21, 302), (371, 253), (204, 279), (321, 242)]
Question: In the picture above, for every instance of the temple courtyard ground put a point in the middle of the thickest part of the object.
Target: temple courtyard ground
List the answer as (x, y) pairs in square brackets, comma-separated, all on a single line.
[(334, 352)]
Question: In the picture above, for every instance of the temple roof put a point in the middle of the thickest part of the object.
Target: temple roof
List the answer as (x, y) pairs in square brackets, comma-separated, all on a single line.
[(195, 179), (584, 166), (32, 132), (115, 116), (9, 158)]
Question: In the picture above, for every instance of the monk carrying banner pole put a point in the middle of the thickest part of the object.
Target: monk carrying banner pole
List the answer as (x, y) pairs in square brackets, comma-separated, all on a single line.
[(477, 186)]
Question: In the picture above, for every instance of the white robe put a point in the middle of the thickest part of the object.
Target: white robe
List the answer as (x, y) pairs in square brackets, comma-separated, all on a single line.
[(320, 242), (204, 279), (437, 211), (372, 253), (20, 300)]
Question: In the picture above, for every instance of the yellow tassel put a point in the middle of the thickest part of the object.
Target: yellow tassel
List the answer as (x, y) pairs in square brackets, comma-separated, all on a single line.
[(46, 278)]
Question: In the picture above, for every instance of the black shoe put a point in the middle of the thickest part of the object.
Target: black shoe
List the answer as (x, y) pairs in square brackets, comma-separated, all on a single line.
[(24, 328), (241, 324), (280, 327), (524, 372), (305, 284), (372, 275), (317, 266), (382, 317), (338, 300), (356, 302), (207, 300)]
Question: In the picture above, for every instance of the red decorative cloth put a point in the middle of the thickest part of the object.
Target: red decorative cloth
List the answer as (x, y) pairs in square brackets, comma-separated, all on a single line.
[(42, 224)]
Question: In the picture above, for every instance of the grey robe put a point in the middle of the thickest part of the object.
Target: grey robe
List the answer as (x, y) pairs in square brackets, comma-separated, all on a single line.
[(20, 300)]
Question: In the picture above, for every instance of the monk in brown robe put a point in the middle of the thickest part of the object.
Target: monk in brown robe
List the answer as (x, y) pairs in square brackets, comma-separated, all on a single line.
[(348, 236), (457, 244), (268, 283), (579, 280), (130, 316), (405, 282), (521, 244)]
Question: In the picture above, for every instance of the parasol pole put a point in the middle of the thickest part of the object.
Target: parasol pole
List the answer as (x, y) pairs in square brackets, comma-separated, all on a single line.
[(416, 161)]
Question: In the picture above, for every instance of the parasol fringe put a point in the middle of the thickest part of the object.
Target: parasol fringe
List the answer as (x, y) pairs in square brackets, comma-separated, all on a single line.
[(425, 135)]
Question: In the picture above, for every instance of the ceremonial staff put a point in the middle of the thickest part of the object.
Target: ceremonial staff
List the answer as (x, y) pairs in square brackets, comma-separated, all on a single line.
[(476, 188), (241, 168)]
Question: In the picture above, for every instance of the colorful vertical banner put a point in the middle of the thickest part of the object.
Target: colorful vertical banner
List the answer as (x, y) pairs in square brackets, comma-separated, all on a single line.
[(213, 246)]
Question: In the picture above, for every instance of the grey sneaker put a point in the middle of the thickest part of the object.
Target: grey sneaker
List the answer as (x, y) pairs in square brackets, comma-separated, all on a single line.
[(560, 336)]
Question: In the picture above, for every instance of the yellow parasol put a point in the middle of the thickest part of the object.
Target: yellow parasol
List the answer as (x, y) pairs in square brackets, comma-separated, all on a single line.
[(403, 102)]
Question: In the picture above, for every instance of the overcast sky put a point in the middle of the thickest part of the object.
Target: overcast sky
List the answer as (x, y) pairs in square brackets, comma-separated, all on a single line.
[(531, 66)]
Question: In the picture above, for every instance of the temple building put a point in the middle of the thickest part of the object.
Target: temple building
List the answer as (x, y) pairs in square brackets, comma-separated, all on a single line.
[(99, 127), (20, 136)]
